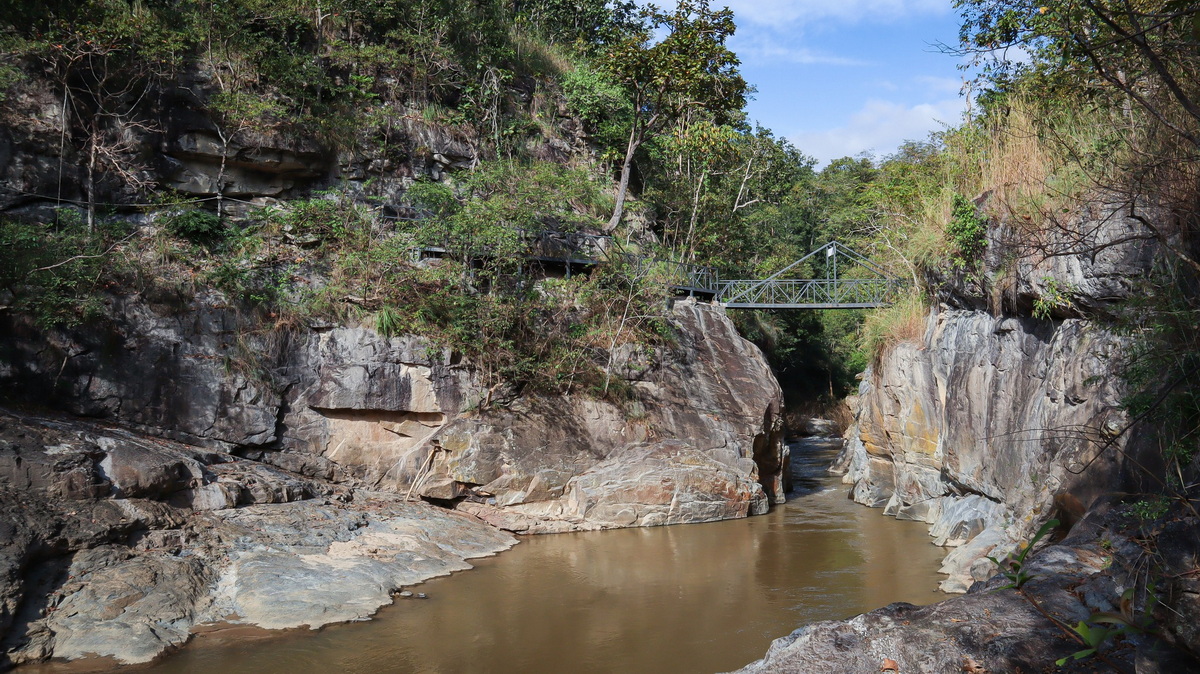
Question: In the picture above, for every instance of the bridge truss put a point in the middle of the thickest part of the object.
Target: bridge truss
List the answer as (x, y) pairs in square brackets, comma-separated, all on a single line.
[(868, 287), (877, 289)]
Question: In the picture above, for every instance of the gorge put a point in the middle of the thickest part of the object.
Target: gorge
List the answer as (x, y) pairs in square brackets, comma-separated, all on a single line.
[(241, 403)]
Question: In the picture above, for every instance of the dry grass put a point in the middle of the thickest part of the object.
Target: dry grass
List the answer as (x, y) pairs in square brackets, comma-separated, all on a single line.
[(1040, 163), (903, 322)]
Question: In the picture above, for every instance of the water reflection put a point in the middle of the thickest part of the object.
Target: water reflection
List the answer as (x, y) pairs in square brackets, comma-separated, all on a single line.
[(689, 598)]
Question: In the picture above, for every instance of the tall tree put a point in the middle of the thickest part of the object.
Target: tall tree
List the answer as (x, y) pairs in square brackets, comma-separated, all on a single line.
[(690, 66)]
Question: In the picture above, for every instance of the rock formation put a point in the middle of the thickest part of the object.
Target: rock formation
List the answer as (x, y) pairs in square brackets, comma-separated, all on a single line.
[(116, 545), (987, 427), (991, 424), (226, 472)]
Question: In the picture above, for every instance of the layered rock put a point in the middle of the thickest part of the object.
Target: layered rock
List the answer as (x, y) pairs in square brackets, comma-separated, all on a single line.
[(345, 404), (991, 424), (276, 488), (979, 429), (117, 545), (170, 138)]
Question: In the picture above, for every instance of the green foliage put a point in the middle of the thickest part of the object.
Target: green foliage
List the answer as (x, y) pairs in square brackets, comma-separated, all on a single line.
[(10, 76), (198, 226), (1103, 628), (331, 217), (432, 199), (54, 273), (1013, 566), (967, 233), (689, 65), (1160, 367), (574, 20), (1052, 297), (602, 104), (1118, 54), (1149, 509)]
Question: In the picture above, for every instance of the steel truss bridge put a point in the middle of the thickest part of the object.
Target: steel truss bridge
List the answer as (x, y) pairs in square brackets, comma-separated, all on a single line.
[(866, 286)]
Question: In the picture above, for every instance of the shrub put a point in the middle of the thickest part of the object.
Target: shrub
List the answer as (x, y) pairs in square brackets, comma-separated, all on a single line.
[(967, 232), (198, 226), (55, 274)]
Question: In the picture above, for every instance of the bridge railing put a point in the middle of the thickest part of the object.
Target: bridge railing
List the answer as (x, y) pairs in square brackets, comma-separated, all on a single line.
[(576, 248), (676, 275), (814, 293)]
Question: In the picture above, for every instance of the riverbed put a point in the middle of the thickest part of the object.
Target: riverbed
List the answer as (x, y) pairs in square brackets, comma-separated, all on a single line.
[(685, 598)]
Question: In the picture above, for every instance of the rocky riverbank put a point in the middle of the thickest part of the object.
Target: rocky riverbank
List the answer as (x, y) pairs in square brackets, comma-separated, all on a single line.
[(116, 545), (186, 483), (992, 629), (1006, 412)]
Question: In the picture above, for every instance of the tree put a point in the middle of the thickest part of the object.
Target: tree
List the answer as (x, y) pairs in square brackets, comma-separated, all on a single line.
[(1146, 52), (1122, 55), (108, 58), (690, 67)]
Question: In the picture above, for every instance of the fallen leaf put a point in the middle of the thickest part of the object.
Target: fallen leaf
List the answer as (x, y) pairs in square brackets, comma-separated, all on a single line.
[(969, 665)]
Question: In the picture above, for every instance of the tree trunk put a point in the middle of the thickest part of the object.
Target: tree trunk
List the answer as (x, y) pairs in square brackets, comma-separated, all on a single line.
[(635, 141), (91, 186), (688, 245), (221, 173)]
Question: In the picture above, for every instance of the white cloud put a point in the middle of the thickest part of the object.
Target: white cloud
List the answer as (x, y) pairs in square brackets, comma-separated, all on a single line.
[(939, 85), (879, 127), (761, 48), (778, 12)]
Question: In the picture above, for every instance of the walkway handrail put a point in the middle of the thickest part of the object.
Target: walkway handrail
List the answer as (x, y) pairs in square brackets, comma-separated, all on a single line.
[(581, 249)]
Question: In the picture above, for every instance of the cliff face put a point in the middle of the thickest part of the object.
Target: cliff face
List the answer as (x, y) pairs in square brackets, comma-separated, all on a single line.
[(700, 439), (990, 425), (993, 423)]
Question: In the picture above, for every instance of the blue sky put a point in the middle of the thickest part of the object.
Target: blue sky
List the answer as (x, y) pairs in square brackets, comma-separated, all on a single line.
[(842, 77)]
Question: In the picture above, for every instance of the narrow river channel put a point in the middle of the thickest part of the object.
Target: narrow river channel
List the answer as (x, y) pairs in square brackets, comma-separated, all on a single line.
[(690, 598)]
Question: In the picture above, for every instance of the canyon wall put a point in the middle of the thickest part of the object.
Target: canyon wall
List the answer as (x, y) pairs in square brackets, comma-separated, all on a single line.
[(994, 421), (1005, 413), (699, 439)]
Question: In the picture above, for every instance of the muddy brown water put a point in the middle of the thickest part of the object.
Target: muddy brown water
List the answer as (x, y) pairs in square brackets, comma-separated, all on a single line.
[(688, 598)]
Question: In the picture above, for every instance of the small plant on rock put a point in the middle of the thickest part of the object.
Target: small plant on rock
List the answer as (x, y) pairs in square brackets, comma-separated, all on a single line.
[(1107, 626), (967, 231), (198, 226), (1013, 566)]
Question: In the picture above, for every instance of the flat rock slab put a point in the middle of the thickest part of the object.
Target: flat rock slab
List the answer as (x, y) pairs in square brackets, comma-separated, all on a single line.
[(276, 566), (308, 564)]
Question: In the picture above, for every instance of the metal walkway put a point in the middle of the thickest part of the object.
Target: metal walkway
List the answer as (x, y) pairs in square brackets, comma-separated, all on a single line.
[(868, 287), (877, 289)]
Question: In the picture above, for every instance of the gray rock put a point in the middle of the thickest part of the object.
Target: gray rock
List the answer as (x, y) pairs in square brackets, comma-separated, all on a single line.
[(985, 418), (129, 577)]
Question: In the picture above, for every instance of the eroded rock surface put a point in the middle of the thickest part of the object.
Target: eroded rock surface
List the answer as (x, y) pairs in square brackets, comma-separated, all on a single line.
[(979, 428), (992, 630), (263, 477), (995, 421), (346, 405), (117, 545)]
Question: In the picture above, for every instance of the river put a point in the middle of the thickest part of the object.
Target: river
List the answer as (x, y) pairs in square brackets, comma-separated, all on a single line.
[(686, 598)]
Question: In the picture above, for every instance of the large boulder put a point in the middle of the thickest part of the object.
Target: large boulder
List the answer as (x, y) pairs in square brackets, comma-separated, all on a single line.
[(400, 414)]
